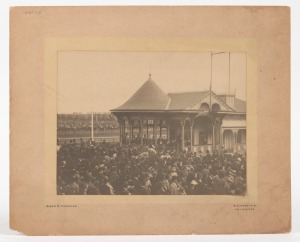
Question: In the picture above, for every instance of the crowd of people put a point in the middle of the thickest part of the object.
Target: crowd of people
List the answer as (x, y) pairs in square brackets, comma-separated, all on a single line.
[(89, 168), (81, 123)]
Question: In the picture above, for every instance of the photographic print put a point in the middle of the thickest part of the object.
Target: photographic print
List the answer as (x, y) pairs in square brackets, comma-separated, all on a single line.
[(149, 120), (151, 123)]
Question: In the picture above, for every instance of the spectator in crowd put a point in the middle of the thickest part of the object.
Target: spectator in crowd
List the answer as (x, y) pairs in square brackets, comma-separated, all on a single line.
[(79, 124), (89, 168)]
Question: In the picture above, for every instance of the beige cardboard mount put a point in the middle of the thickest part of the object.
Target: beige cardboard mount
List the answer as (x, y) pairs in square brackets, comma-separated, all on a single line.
[(37, 34)]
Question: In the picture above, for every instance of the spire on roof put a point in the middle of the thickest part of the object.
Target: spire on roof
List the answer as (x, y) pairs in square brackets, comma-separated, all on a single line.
[(148, 97)]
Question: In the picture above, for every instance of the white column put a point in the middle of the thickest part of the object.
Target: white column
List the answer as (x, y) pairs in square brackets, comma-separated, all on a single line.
[(168, 131), (141, 131), (234, 140), (155, 131), (92, 129), (192, 136), (121, 131), (182, 136), (130, 132)]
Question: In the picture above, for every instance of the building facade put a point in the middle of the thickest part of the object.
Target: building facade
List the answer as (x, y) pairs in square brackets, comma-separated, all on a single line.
[(196, 121)]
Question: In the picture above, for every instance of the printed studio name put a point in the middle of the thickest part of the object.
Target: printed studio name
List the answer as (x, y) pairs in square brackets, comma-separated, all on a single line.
[(60, 206)]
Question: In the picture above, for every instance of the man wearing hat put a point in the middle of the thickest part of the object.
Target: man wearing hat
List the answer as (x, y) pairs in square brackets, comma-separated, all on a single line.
[(191, 189), (220, 184), (148, 185), (174, 188)]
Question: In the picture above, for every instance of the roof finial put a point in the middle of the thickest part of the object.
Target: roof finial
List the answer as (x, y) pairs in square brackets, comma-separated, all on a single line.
[(150, 70)]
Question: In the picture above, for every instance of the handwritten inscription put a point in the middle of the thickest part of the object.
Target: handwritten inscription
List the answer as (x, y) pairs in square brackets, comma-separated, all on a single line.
[(33, 12)]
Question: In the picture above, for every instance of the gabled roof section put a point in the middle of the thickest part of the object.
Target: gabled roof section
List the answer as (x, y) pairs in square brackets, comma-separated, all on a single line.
[(240, 105), (222, 102), (214, 100), (148, 97), (183, 100), (193, 100)]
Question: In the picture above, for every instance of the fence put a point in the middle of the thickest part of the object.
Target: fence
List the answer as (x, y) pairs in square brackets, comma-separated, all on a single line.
[(110, 139)]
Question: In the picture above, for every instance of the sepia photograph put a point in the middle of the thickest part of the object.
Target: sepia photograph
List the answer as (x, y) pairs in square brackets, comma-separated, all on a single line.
[(150, 120), (151, 123)]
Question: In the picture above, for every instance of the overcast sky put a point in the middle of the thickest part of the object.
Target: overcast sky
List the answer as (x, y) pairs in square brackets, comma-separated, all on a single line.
[(100, 81)]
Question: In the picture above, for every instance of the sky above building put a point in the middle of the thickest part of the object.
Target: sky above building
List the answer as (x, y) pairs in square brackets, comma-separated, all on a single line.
[(99, 81)]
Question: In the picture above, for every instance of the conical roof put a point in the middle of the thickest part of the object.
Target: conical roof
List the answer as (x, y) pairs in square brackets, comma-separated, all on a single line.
[(148, 97)]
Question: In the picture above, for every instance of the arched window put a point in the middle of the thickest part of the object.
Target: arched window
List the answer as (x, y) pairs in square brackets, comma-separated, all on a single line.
[(204, 107), (215, 107)]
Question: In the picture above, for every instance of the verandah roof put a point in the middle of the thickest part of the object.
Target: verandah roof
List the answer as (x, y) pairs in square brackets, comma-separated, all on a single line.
[(151, 97)]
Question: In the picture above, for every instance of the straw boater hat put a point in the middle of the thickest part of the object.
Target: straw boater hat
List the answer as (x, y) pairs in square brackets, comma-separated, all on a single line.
[(149, 175)]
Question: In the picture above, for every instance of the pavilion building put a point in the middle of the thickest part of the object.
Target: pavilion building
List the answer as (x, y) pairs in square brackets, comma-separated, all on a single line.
[(196, 121)]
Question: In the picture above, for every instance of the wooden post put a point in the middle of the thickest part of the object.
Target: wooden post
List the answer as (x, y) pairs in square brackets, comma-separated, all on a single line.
[(155, 131), (121, 131), (234, 141), (169, 131), (182, 136), (92, 127), (141, 131), (213, 135), (192, 136), (130, 132), (160, 129), (221, 137), (147, 129)]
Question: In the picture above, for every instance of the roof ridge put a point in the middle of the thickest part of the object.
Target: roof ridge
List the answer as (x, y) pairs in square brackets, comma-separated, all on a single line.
[(169, 103), (187, 92), (199, 100), (240, 99)]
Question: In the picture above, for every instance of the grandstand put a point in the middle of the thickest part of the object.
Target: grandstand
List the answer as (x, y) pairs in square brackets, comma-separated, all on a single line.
[(103, 126)]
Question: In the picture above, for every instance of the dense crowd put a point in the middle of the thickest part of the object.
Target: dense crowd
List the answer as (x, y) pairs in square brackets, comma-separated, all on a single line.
[(80, 123), (88, 168)]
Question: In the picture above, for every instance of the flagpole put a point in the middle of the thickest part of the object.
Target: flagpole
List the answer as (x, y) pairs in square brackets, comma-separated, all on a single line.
[(92, 115), (92, 131), (211, 54), (211, 74), (229, 71)]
